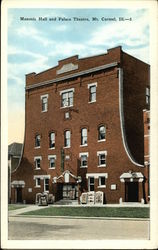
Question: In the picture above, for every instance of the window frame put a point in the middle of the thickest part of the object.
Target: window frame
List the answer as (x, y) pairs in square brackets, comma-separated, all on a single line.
[(66, 139), (68, 98), (51, 147), (46, 184), (45, 105), (38, 185), (37, 141), (84, 136), (99, 133), (91, 184), (81, 161), (90, 86), (100, 184), (99, 154), (54, 158), (36, 158)]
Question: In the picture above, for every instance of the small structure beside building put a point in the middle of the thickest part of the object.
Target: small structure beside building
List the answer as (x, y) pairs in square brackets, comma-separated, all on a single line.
[(14, 156)]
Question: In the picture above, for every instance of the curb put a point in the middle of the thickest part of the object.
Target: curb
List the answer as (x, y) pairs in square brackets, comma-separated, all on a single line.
[(77, 217)]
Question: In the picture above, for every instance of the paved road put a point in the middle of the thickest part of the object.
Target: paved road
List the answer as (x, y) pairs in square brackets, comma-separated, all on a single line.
[(26, 228)]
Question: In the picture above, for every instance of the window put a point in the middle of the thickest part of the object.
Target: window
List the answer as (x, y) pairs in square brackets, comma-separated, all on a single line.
[(52, 140), (37, 160), (84, 159), (67, 99), (46, 185), (101, 181), (102, 158), (83, 136), (38, 182), (67, 138), (44, 99), (101, 133), (37, 141), (91, 183), (92, 92), (147, 95), (52, 159)]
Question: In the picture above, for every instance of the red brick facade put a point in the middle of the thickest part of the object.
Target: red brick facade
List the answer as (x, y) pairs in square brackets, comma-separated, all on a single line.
[(120, 82)]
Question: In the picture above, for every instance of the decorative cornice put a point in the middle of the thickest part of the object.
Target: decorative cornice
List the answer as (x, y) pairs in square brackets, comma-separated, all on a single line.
[(81, 73)]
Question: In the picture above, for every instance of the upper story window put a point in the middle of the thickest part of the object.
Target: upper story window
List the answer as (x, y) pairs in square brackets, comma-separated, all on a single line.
[(52, 140), (84, 136), (67, 137), (84, 159), (37, 160), (92, 92), (37, 141), (44, 99), (147, 95), (102, 158), (67, 97), (101, 133)]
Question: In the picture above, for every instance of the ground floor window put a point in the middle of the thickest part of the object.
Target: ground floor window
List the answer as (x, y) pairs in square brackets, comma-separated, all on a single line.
[(46, 184), (91, 183), (102, 181), (38, 182)]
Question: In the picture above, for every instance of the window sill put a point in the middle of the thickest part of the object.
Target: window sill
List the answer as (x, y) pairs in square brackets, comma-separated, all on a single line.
[(44, 111), (83, 166), (102, 140), (37, 147), (92, 101), (104, 186), (51, 148), (84, 145), (37, 186), (52, 168), (66, 107), (102, 166), (37, 168), (67, 147)]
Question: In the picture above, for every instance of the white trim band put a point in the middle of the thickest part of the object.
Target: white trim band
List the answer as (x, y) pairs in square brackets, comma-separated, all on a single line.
[(67, 90), (41, 177), (96, 175)]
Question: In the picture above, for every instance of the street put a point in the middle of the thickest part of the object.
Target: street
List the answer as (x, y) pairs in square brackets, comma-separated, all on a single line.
[(27, 228)]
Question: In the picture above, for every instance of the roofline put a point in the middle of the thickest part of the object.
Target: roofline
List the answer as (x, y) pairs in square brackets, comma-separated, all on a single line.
[(81, 73)]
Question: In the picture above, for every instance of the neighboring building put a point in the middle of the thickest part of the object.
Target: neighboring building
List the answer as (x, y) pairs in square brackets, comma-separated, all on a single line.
[(147, 151), (84, 130), (14, 155)]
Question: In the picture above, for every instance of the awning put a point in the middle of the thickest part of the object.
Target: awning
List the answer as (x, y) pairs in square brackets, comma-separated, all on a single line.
[(18, 184)]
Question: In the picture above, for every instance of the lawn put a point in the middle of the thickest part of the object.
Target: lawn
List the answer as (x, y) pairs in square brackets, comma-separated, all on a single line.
[(127, 212), (15, 206)]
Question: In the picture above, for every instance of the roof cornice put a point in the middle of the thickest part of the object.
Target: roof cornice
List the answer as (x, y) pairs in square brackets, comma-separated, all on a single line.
[(81, 73)]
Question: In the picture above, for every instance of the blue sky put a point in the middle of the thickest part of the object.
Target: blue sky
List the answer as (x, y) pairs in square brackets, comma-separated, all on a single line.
[(34, 46)]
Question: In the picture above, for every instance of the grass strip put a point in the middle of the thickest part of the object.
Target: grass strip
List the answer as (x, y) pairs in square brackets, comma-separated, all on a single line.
[(126, 212), (14, 207)]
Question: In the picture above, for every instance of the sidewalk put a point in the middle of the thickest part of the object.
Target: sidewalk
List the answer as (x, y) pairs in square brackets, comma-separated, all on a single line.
[(28, 208)]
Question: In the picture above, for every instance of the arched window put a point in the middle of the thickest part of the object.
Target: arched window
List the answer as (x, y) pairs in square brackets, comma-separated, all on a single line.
[(67, 136), (101, 132), (37, 141), (52, 140), (84, 136)]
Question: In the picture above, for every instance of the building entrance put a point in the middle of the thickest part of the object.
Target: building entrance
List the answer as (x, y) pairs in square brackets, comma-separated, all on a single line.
[(70, 191), (19, 194), (131, 191)]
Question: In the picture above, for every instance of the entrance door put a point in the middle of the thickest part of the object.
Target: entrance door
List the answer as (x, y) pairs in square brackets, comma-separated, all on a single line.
[(131, 191), (69, 192), (19, 195)]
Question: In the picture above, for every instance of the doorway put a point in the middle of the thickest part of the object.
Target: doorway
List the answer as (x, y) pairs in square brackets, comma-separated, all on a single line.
[(19, 195), (131, 191), (70, 191)]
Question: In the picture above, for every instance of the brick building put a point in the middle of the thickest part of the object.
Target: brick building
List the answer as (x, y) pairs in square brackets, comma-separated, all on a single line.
[(84, 129)]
